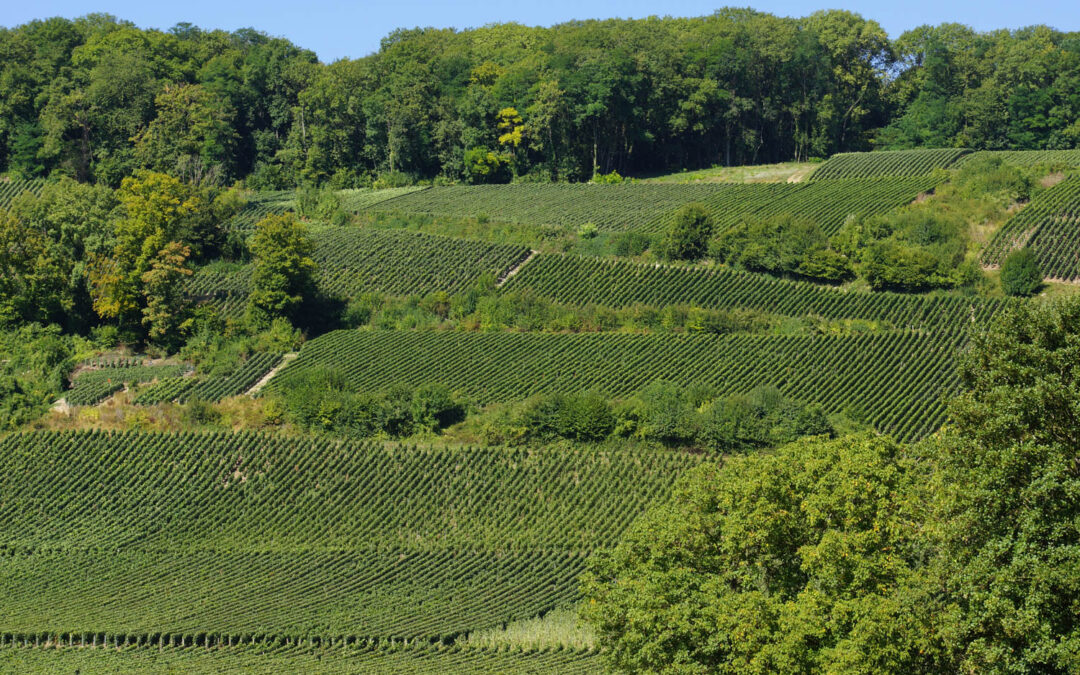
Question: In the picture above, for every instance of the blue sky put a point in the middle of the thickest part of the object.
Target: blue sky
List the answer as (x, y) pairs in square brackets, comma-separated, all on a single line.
[(352, 29)]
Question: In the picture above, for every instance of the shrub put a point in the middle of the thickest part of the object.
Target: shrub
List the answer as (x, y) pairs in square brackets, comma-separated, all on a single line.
[(688, 236), (1020, 273)]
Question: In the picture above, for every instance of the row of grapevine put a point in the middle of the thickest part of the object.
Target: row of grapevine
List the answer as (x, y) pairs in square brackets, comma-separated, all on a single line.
[(650, 207), (895, 379), (217, 654), (215, 538), (261, 205), (183, 389), (185, 492), (892, 163), (1050, 225), (389, 594), (580, 280), (93, 386), (365, 198), (10, 189), (1050, 158), (352, 261)]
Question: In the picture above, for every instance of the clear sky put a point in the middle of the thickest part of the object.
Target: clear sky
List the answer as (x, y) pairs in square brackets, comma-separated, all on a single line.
[(351, 29)]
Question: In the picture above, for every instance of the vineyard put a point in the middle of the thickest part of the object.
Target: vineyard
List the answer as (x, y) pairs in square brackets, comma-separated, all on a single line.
[(896, 380), (228, 538), (612, 283), (1051, 158), (650, 207), (93, 386), (284, 656), (1050, 226), (363, 199), (259, 206), (196, 388), (10, 189), (893, 163), (353, 261)]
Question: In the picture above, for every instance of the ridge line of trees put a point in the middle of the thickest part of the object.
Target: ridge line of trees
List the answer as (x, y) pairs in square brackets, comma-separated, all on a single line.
[(97, 98)]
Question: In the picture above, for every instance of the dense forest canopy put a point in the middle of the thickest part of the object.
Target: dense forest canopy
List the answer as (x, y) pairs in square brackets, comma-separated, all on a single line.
[(97, 98)]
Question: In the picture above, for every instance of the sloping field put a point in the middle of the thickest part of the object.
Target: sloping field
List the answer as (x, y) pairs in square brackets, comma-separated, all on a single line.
[(580, 280), (216, 539), (1050, 226), (891, 163), (1065, 158), (895, 380), (352, 261), (650, 207)]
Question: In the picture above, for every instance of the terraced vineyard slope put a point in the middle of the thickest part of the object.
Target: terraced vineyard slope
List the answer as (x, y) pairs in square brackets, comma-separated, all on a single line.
[(650, 207), (895, 380), (612, 283), (892, 163), (1050, 226), (1066, 158), (220, 539), (352, 261)]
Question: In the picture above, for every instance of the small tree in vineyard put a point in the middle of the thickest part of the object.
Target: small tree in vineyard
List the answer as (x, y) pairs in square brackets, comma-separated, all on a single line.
[(1020, 273), (688, 238), (283, 269)]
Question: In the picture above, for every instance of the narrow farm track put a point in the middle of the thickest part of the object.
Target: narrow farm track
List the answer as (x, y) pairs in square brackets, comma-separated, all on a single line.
[(516, 268), (257, 387)]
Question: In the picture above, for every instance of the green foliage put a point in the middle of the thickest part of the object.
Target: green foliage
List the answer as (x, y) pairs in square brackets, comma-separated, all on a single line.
[(321, 400), (1020, 274), (484, 166), (130, 653), (1007, 527), (782, 245), (651, 207), (688, 235), (282, 271), (793, 561), (34, 365), (612, 178), (425, 544)]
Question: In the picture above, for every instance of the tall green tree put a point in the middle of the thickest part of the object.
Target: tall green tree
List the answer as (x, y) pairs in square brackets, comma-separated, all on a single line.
[(794, 561), (1006, 513), (283, 269)]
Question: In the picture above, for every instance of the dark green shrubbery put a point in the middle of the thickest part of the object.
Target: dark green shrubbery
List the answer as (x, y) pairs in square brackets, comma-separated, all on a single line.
[(322, 401), (666, 413), (1020, 274), (688, 236)]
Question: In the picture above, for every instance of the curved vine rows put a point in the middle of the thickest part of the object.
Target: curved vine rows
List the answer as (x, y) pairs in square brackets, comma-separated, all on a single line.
[(612, 283), (352, 261), (1050, 225), (650, 207), (887, 163), (215, 538), (896, 380), (10, 189)]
